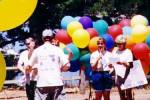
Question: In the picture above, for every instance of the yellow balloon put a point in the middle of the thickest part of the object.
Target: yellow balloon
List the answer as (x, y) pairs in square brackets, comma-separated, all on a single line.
[(2, 70), (81, 38), (15, 12), (73, 26), (139, 33), (139, 19)]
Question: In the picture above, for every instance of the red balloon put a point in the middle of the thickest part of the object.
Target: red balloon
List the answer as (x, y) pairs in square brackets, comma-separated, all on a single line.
[(92, 32), (115, 30), (63, 37), (145, 66), (125, 22), (141, 51)]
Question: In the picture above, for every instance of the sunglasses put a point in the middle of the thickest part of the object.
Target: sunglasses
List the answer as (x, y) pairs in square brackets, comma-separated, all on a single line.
[(27, 43), (98, 43)]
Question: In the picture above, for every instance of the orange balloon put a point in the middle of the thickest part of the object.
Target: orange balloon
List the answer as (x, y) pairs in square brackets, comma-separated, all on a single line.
[(130, 43), (93, 44)]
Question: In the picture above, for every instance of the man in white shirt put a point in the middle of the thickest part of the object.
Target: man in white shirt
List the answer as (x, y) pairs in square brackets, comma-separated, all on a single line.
[(50, 61), (22, 63)]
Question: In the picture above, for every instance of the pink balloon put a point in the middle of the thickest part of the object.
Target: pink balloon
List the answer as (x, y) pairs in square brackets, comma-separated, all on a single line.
[(115, 30), (63, 37), (92, 32), (125, 22)]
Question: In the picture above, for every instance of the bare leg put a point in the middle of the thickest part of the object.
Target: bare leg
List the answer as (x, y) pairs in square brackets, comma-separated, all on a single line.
[(129, 94), (106, 95), (122, 94), (98, 95)]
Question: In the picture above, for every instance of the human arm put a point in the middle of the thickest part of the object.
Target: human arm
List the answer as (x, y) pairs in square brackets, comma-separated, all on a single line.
[(21, 63), (95, 61)]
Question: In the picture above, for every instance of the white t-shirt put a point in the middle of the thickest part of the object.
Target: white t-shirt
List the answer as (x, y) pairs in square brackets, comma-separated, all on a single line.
[(48, 59), (124, 56), (23, 62), (103, 62), (23, 59)]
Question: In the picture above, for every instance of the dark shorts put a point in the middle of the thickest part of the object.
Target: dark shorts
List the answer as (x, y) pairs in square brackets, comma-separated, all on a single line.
[(101, 81), (48, 93)]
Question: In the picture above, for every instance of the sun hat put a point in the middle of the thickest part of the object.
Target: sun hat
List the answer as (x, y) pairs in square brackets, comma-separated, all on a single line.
[(120, 39), (47, 32)]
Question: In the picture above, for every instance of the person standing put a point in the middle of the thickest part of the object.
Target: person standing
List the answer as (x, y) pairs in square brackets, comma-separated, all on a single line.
[(125, 60), (101, 77), (22, 63), (50, 61)]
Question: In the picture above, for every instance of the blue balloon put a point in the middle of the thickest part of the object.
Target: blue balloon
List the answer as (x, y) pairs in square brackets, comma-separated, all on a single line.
[(109, 41), (86, 22), (88, 71), (101, 26), (65, 21), (75, 51), (127, 30), (148, 40), (75, 66)]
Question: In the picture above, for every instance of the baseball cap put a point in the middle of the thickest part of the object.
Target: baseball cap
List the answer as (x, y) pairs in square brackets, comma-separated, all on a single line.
[(120, 39), (47, 32)]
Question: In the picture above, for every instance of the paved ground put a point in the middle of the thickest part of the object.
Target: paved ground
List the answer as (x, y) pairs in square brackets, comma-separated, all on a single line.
[(15, 94)]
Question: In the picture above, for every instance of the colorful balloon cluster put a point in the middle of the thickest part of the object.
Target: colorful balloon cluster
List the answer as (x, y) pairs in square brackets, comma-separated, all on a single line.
[(80, 34)]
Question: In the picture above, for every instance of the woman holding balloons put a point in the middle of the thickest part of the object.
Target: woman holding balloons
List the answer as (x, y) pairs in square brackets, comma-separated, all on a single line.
[(101, 75), (125, 57)]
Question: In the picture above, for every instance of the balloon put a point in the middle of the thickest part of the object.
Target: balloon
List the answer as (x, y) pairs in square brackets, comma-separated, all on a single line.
[(115, 30), (73, 26), (88, 71), (2, 70), (81, 38), (141, 51), (75, 51), (65, 21), (130, 43), (125, 22), (75, 66), (62, 45), (86, 22), (127, 30), (139, 33), (63, 37), (92, 32), (148, 40), (77, 18), (83, 51), (85, 59), (148, 29), (139, 19), (14, 13), (93, 44), (101, 26), (145, 66), (109, 41)]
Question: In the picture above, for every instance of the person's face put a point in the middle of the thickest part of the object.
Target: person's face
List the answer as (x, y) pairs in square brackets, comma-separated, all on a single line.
[(121, 46), (101, 44), (30, 43)]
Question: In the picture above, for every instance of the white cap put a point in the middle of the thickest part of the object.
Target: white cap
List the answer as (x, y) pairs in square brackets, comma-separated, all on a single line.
[(120, 39), (47, 32)]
